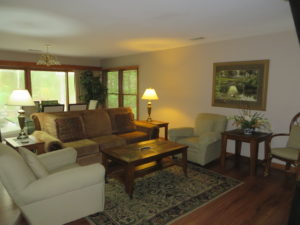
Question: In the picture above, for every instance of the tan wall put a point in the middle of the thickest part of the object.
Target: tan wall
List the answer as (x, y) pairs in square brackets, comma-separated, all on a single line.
[(182, 78), (27, 57)]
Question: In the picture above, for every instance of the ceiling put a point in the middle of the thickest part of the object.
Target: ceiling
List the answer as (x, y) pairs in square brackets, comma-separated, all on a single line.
[(110, 28)]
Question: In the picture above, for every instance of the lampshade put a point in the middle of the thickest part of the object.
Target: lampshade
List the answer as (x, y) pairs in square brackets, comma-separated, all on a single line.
[(150, 94), (20, 98)]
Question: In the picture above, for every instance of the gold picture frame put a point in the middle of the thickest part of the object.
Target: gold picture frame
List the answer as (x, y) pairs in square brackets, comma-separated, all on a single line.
[(241, 84)]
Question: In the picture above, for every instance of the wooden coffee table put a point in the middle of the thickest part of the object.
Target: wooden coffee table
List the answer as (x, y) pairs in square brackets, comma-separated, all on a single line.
[(143, 158)]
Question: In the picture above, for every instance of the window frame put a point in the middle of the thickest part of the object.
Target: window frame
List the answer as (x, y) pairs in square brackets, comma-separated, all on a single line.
[(30, 66), (120, 71)]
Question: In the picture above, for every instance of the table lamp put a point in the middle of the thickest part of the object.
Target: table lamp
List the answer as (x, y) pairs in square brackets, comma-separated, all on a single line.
[(21, 98), (149, 95)]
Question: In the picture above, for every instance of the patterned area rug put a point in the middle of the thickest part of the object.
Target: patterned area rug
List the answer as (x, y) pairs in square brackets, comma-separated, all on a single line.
[(162, 196)]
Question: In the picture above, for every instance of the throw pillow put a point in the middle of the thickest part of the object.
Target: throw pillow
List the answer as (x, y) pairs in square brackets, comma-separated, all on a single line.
[(33, 162), (294, 139), (125, 122), (69, 129)]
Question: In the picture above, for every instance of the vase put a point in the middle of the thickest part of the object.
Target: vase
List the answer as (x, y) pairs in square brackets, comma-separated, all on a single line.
[(248, 131)]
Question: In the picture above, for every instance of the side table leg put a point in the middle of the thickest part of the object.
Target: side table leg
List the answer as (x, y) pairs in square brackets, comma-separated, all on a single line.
[(223, 150), (253, 157), (166, 132), (238, 146)]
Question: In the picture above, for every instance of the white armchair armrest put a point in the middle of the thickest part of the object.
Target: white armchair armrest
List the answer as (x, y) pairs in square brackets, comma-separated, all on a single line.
[(177, 133), (63, 182), (182, 132), (58, 158)]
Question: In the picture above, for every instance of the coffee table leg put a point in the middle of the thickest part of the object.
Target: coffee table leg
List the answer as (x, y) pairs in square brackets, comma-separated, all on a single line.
[(129, 179), (184, 161)]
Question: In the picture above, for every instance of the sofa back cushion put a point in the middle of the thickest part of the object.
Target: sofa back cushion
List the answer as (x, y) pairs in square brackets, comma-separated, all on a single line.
[(113, 112), (97, 123), (69, 128), (206, 122), (34, 163), (125, 122), (40, 118), (15, 174)]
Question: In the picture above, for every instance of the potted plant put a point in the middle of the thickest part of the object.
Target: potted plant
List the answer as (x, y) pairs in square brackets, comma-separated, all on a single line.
[(249, 121), (94, 89)]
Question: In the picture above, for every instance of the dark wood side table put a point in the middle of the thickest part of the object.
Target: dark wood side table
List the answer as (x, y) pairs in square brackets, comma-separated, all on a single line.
[(32, 143), (160, 124), (239, 137)]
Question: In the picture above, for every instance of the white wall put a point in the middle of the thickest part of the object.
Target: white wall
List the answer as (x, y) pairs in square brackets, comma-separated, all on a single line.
[(28, 57), (182, 78)]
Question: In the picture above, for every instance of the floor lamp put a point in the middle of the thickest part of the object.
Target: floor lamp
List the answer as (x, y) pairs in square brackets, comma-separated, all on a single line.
[(149, 95), (21, 98)]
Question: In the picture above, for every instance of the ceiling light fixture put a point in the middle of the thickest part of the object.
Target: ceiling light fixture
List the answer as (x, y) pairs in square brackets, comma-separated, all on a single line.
[(47, 59)]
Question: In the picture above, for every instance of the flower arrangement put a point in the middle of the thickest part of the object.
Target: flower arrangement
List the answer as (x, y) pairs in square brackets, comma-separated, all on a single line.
[(249, 121)]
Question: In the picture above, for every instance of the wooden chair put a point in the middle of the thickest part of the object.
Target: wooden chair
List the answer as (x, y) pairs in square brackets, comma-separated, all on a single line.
[(77, 107), (53, 108), (291, 153), (93, 104)]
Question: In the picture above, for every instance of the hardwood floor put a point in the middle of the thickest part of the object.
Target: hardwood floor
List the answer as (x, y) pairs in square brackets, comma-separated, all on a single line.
[(258, 201)]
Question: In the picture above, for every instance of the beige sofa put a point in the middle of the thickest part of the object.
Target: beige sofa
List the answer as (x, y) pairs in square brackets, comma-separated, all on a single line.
[(91, 130)]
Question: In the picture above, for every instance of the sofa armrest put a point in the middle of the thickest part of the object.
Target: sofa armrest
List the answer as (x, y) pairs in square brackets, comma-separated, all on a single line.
[(63, 182), (150, 129), (207, 138), (177, 133), (51, 143), (59, 158)]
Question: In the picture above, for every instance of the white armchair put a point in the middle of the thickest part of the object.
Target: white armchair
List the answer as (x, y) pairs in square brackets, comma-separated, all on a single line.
[(204, 139), (51, 189)]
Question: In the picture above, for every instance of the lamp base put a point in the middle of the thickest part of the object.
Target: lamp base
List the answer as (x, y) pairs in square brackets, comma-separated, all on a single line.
[(149, 112), (21, 119), (22, 135)]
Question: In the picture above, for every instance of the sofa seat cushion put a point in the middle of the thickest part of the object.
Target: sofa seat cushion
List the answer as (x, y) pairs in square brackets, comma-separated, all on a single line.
[(192, 142), (109, 141), (135, 136), (125, 122), (69, 129), (97, 123), (83, 147)]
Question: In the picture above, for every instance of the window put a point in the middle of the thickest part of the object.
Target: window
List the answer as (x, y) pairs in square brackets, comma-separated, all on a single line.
[(53, 85), (43, 83), (10, 80), (122, 87)]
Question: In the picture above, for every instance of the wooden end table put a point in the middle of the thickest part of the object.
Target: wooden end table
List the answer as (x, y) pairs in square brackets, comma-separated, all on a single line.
[(160, 124), (134, 159), (31, 143), (239, 137)]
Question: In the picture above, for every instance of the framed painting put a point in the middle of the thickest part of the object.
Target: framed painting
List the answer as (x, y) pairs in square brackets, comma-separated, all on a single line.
[(241, 84)]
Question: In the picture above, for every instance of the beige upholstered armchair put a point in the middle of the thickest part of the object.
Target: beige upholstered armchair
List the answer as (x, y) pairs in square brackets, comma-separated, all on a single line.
[(51, 189), (204, 139)]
